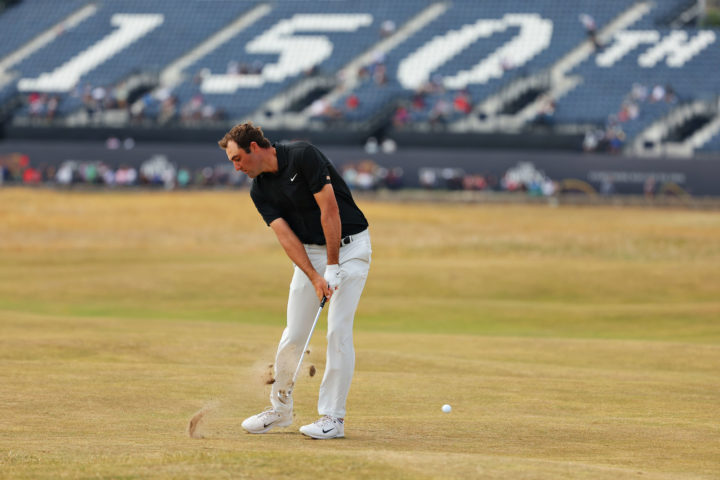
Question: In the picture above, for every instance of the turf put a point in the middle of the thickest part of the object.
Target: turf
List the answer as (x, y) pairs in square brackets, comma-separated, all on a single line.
[(571, 342)]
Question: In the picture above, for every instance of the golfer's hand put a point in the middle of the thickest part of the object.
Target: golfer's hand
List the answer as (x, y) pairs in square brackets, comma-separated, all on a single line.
[(332, 276), (321, 287)]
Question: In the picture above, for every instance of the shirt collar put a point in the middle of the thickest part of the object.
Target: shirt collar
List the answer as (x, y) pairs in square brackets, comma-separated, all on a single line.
[(282, 158), (282, 161)]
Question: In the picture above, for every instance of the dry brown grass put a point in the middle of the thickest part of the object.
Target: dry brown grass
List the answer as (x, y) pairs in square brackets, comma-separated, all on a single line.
[(571, 342)]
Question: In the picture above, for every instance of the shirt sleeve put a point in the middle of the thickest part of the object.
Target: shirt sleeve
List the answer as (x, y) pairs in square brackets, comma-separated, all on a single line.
[(268, 211), (314, 167)]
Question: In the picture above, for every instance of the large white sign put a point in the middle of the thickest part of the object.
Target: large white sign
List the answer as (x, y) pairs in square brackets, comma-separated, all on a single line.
[(298, 53), (675, 48), (300, 45), (131, 27), (534, 37)]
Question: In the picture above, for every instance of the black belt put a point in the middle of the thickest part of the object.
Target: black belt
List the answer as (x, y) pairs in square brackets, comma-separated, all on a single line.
[(349, 239)]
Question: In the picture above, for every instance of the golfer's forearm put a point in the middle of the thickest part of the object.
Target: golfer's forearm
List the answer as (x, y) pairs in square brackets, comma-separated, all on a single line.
[(330, 221), (332, 228), (293, 247), (296, 252)]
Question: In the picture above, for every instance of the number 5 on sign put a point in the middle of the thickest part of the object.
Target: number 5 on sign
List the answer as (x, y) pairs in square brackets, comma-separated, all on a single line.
[(298, 53)]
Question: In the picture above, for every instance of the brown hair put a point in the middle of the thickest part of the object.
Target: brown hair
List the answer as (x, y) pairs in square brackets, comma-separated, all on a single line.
[(244, 134)]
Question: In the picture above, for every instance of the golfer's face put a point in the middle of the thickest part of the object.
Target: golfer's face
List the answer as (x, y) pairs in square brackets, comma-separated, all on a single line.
[(248, 163)]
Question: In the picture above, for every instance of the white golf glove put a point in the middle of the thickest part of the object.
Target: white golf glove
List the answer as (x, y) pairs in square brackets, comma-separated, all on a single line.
[(332, 276)]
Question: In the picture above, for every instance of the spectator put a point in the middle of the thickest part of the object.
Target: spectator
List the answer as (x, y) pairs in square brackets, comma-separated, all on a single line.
[(591, 140), (65, 174), (372, 146), (52, 106), (607, 186), (183, 177), (394, 178), (670, 96), (233, 68), (363, 73), (590, 28), (401, 116), (352, 102), (321, 108), (208, 112), (168, 109), (549, 187), (106, 174), (31, 176), (615, 138), (380, 74), (98, 97), (462, 103), (120, 96), (126, 175), (138, 108), (428, 178), (649, 187), (506, 64), (388, 146), (387, 28), (418, 101), (440, 112), (657, 94), (639, 92), (546, 112), (192, 110), (257, 67), (36, 103), (474, 182)]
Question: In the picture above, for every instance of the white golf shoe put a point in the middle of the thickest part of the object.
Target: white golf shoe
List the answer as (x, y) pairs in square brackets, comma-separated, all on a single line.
[(325, 427), (264, 421)]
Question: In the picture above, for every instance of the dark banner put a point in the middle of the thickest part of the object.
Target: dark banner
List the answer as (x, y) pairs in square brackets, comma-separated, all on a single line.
[(411, 168)]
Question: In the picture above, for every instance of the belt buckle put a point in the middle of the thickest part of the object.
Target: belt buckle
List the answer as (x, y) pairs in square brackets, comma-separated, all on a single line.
[(346, 240)]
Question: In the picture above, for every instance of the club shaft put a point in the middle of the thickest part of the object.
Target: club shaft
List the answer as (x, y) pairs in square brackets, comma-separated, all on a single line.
[(307, 342)]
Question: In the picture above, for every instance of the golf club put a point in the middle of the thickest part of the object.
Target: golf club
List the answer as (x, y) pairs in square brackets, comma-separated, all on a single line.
[(302, 354)]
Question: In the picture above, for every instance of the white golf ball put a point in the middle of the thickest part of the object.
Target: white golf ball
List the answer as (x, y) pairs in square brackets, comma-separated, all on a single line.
[(446, 408)]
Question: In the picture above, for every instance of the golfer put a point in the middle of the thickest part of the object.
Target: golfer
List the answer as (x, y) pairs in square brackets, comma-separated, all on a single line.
[(301, 196)]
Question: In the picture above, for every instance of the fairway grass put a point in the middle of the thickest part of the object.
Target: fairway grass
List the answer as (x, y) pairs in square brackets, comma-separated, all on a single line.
[(572, 343)]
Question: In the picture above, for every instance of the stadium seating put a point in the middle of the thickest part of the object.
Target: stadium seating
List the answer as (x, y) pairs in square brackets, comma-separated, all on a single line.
[(477, 47), (352, 30), (607, 80), (25, 20), (504, 21), (156, 34), (7, 92), (713, 145)]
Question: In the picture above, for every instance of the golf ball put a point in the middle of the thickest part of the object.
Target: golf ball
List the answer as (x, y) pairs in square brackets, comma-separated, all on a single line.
[(446, 408)]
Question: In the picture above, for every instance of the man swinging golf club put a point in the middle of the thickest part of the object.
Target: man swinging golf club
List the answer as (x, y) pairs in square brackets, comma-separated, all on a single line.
[(301, 196)]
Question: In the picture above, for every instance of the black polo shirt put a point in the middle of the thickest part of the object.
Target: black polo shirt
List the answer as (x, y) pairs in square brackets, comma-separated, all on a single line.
[(303, 171)]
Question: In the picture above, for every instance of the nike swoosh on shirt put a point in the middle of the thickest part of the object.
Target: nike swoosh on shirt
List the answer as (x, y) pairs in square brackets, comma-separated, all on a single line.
[(293, 177)]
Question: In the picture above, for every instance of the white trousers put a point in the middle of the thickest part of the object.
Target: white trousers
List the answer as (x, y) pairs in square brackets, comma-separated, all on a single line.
[(302, 307)]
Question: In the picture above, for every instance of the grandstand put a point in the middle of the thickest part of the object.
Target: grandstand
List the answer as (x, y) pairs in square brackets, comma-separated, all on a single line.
[(634, 78)]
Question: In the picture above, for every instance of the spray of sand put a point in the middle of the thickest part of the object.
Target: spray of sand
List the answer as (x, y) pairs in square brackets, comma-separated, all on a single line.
[(266, 373), (196, 425)]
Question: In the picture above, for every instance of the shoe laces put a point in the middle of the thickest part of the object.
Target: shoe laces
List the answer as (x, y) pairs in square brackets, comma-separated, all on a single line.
[(324, 420), (268, 411)]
